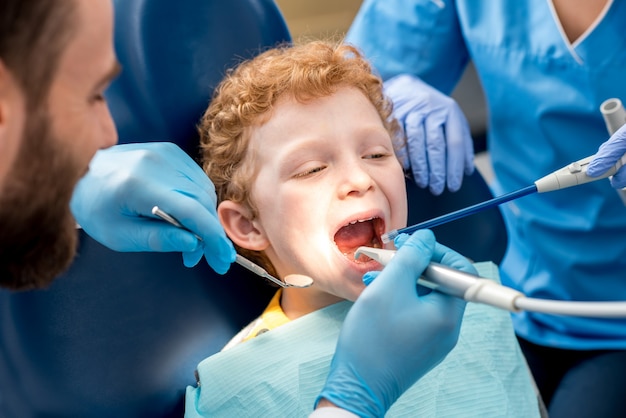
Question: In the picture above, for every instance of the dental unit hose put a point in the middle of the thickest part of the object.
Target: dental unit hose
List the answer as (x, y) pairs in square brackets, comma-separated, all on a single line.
[(573, 174), (476, 289)]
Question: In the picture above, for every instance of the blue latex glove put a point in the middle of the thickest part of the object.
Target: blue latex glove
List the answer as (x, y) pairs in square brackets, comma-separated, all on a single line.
[(439, 144), (606, 157), (113, 203), (391, 336)]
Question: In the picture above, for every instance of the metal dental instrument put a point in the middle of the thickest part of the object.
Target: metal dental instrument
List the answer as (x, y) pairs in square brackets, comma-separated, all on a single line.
[(476, 289), (291, 280)]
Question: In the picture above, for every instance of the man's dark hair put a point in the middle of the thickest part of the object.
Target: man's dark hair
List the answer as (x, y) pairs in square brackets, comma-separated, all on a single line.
[(33, 35)]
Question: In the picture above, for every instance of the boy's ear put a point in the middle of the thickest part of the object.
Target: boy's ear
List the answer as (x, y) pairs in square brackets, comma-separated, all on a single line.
[(243, 231)]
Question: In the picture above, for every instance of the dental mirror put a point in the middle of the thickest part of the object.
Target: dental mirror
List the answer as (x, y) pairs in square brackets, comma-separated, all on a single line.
[(291, 280)]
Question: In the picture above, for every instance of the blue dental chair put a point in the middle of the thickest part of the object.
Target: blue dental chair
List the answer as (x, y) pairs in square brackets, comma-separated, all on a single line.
[(120, 334)]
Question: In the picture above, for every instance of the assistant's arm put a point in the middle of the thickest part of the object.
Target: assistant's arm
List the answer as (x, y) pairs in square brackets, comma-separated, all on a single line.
[(113, 203)]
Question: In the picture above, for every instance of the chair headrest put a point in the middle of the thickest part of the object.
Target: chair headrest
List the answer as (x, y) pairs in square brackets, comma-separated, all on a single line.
[(173, 55)]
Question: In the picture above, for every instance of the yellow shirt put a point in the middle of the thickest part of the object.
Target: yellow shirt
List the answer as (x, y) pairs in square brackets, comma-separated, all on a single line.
[(272, 317)]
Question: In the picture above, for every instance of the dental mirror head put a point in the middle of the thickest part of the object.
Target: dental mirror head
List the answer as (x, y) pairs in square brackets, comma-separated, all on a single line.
[(291, 280), (298, 280)]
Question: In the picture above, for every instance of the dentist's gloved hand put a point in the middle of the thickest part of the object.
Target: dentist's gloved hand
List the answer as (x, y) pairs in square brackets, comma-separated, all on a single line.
[(439, 145), (113, 204), (608, 154), (391, 336)]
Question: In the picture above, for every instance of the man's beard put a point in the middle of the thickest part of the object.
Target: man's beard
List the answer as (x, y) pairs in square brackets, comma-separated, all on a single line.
[(38, 237)]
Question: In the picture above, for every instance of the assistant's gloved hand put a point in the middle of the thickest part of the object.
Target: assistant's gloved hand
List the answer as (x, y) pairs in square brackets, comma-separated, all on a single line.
[(439, 144), (113, 203), (391, 336), (608, 154)]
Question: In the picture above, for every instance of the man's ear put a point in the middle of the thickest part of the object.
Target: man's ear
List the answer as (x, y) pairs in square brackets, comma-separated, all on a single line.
[(10, 96), (4, 81), (236, 220), (12, 118)]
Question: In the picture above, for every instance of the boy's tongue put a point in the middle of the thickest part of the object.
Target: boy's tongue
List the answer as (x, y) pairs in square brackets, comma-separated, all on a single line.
[(351, 237)]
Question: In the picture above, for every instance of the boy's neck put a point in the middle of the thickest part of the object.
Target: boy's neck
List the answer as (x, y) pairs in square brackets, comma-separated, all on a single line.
[(299, 302)]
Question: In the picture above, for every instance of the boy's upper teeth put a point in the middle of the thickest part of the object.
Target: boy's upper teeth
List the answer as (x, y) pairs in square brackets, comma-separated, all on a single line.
[(361, 220)]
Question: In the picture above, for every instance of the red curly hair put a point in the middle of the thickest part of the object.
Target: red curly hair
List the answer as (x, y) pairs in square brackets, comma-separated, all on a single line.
[(246, 98)]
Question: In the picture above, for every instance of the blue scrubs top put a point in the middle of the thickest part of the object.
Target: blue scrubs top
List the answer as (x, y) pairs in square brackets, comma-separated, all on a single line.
[(543, 97)]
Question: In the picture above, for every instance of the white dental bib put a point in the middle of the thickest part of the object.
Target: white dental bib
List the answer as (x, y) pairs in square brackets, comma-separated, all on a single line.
[(281, 372)]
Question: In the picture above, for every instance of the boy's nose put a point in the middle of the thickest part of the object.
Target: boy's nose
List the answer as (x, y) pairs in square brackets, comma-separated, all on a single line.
[(355, 181)]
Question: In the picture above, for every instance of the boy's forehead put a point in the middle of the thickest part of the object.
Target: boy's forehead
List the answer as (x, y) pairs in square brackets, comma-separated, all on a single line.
[(347, 109)]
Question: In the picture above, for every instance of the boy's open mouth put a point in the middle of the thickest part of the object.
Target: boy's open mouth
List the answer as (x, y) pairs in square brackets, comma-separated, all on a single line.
[(365, 232)]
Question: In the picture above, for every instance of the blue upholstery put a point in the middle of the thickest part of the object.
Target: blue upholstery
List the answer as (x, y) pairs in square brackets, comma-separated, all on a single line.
[(172, 50), (120, 334)]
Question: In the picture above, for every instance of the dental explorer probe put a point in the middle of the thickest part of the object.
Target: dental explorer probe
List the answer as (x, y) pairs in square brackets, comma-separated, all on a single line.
[(476, 289), (291, 280), (573, 174)]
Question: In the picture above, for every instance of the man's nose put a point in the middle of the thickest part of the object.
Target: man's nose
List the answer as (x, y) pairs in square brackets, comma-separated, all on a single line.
[(109, 131)]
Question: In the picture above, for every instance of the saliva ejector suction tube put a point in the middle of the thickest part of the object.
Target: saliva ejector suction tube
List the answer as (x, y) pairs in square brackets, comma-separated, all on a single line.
[(573, 174)]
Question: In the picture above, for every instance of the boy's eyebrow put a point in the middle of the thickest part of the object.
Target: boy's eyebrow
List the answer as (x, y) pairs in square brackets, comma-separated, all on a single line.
[(112, 73), (311, 144), (303, 147)]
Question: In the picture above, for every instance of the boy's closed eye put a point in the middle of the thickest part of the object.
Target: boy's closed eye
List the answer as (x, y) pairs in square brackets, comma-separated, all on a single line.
[(309, 171), (375, 156)]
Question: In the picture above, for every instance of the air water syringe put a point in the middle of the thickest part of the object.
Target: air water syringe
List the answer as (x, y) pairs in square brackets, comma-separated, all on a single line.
[(573, 174)]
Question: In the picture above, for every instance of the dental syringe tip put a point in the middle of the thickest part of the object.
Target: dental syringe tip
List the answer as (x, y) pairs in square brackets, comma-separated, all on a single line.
[(389, 236)]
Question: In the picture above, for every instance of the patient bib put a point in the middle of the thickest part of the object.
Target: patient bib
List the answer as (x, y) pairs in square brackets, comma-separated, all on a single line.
[(280, 373)]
